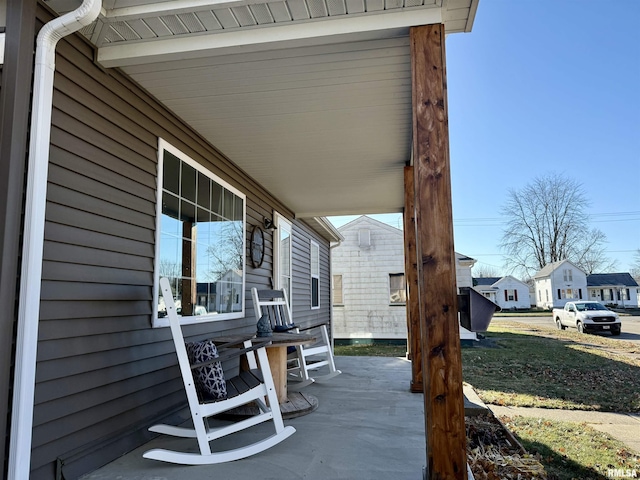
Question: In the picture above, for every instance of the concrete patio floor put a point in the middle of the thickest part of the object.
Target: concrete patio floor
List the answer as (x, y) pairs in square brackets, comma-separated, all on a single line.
[(368, 425)]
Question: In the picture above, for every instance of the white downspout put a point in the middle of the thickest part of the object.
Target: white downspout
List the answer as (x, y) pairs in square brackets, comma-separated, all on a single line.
[(31, 274)]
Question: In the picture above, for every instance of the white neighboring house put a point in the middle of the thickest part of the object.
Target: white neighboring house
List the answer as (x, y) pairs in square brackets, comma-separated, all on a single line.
[(559, 282), (368, 283), (508, 292), (613, 288)]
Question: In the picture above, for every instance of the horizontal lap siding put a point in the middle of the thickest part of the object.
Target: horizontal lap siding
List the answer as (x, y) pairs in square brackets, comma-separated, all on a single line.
[(301, 263), (103, 374)]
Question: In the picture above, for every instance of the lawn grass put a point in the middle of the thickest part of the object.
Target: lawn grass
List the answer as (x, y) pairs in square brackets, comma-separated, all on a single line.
[(370, 350), (543, 367), (572, 450), (523, 313)]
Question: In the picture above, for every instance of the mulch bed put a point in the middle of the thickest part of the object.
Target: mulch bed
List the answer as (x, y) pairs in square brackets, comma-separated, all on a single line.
[(493, 453)]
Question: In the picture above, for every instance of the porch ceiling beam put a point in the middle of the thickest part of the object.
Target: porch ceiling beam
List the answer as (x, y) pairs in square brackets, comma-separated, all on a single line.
[(333, 30), (439, 331)]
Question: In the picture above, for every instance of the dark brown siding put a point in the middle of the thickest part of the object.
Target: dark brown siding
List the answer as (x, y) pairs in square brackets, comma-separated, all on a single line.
[(103, 374)]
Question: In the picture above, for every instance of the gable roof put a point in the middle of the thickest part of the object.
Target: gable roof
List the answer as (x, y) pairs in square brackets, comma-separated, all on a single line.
[(485, 281), (608, 279), (549, 268), (367, 221)]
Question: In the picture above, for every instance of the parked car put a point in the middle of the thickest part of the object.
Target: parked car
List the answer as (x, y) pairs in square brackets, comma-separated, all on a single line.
[(587, 317)]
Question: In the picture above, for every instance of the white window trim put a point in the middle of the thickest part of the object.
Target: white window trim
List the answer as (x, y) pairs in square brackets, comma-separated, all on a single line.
[(279, 220), (164, 322), (312, 276)]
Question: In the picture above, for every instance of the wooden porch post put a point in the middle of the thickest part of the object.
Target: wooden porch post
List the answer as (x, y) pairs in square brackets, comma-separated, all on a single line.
[(439, 332), (411, 275)]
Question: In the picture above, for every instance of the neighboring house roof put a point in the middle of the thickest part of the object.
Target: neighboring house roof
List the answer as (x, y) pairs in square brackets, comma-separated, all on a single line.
[(549, 268), (609, 279), (371, 222), (485, 281)]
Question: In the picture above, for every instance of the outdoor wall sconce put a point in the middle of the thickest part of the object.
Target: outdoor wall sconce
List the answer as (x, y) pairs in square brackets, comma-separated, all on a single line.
[(268, 224)]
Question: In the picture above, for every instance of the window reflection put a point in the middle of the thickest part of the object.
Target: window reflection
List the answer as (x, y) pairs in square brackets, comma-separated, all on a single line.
[(201, 242)]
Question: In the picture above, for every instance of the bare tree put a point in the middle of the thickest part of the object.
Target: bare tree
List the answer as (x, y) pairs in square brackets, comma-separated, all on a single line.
[(546, 223), (485, 271), (635, 266)]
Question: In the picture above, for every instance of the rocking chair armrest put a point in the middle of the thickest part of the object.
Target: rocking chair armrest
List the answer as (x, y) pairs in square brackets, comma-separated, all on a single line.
[(227, 351), (314, 325)]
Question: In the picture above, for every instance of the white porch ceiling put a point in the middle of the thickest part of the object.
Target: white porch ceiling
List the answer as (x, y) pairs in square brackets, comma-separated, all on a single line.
[(312, 98)]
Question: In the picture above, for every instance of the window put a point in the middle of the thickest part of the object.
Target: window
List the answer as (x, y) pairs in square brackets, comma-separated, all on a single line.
[(364, 237), (397, 289), (510, 295), (282, 252), (315, 275), (593, 294), (547, 294), (336, 290), (200, 244), (567, 275)]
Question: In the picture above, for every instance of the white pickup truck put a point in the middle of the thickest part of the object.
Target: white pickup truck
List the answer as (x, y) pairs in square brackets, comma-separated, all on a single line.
[(587, 317)]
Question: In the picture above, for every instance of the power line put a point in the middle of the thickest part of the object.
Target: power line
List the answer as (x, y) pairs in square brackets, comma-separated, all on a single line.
[(594, 217)]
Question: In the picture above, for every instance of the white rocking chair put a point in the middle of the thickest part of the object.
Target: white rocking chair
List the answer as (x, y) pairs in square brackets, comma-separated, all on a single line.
[(255, 385), (274, 304)]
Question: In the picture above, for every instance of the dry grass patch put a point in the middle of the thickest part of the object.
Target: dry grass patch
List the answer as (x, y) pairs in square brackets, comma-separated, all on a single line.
[(540, 367)]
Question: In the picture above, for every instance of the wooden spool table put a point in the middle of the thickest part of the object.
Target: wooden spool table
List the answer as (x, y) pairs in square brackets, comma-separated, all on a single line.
[(293, 404)]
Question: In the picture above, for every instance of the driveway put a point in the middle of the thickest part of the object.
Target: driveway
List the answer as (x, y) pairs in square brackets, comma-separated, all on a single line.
[(630, 326)]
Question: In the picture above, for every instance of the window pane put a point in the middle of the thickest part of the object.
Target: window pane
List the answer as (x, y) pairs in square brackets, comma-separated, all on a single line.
[(239, 210), (397, 291), (170, 256), (188, 183), (204, 191), (187, 212), (171, 173), (170, 205), (216, 198), (228, 206), (315, 260), (315, 293)]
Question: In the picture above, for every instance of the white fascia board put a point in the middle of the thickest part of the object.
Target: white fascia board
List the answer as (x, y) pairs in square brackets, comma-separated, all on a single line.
[(2, 48), (472, 15), (265, 38)]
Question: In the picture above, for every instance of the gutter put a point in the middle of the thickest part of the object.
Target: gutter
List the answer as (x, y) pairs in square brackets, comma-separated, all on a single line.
[(33, 243)]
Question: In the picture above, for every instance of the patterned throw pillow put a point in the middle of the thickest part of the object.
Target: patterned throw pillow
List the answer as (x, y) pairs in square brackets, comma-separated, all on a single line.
[(210, 378)]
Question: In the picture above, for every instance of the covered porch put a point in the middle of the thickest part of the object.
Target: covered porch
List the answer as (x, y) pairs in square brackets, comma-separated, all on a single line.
[(368, 425), (327, 108)]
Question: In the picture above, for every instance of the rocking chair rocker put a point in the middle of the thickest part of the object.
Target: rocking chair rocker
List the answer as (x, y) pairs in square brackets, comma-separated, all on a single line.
[(274, 304), (255, 385)]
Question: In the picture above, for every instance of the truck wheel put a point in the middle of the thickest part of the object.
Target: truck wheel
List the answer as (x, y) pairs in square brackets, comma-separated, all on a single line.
[(615, 332), (559, 325), (581, 327)]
